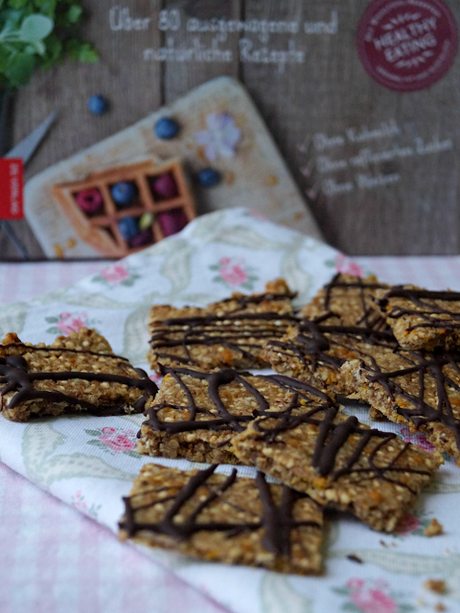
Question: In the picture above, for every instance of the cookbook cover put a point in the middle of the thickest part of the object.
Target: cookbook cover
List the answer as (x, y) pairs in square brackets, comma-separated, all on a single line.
[(340, 119)]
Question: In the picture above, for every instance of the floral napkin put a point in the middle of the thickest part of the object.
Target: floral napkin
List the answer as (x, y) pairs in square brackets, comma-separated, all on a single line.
[(90, 462)]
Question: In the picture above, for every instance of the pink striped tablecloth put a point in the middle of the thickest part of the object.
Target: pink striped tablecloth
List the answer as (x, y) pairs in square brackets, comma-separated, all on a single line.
[(55, 559)]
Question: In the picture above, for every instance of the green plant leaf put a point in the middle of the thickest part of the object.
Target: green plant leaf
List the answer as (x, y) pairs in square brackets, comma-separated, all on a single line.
[(349, 606), (93, 432), (39, 33), (82, 52), (17, 4), (97, 444), (4, 58), (74, 13), (35, 28), (20, 69)]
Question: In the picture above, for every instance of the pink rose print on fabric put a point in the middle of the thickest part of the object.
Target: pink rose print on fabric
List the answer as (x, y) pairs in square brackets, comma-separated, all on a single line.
[(65, 323), (220, 138), (355, 584), (118, 442), (115, 275), (257, 215), (68, 324), (418, 439), (155, 377), (234, 272), (371, 596), (409, 523), (79, 503), (114, 440), (373, 601), (412, 525), (346, 266)]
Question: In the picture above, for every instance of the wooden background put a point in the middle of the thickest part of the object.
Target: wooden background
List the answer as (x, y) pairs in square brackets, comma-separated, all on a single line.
[(328, 93)]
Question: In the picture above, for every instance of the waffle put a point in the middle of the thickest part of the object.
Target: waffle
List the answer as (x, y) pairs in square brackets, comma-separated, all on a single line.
[(95, 214)]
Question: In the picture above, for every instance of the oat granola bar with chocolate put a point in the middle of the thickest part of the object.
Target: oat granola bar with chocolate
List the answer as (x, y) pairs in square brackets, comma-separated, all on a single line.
[(79, 373), (347, 300), (340, 323), (231, 332), (315, 350), (422, 319), (318, 450), (418, 389), (223, 518), (195, 413)]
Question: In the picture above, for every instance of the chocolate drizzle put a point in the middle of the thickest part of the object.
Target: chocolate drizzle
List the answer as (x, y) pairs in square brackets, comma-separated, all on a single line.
[(369, 317), (17, 377), (433, 315), (224, 420), (430, 368), (319, 344), (237, 330), (302, 404), (331, 438), (277, 522)]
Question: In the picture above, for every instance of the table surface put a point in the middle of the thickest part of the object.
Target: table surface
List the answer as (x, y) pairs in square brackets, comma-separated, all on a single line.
[(54, 558)]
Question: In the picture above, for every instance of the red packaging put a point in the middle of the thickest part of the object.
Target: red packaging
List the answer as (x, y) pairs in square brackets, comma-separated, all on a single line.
[(11, 188)]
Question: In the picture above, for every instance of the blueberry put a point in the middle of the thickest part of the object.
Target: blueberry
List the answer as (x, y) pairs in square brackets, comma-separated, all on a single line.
[(128, 228), (208, 177), (123, 192), (166, 128), (97, 104)]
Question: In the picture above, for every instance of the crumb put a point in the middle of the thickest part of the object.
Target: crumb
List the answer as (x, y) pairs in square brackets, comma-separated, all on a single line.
[(438, 586), (393, 544), (58, 251), (439, 607), (272, 180), (447, 550), (420, 602), (433, 529), (71, 243), (354, 558), (383, 544)]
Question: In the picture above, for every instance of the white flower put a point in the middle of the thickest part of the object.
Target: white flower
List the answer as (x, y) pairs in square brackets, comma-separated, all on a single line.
[(221, 136)]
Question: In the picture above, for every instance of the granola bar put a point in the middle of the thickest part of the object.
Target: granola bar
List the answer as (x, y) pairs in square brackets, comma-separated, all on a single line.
[(341, 322), (79, 373), (338, 461), (196, 413), (418, 389), (314, 351), (422, 319), (347, 301), (223, 518), (227, 333)]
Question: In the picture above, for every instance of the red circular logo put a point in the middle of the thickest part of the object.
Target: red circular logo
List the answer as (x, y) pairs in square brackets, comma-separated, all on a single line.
[(407, 45)]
